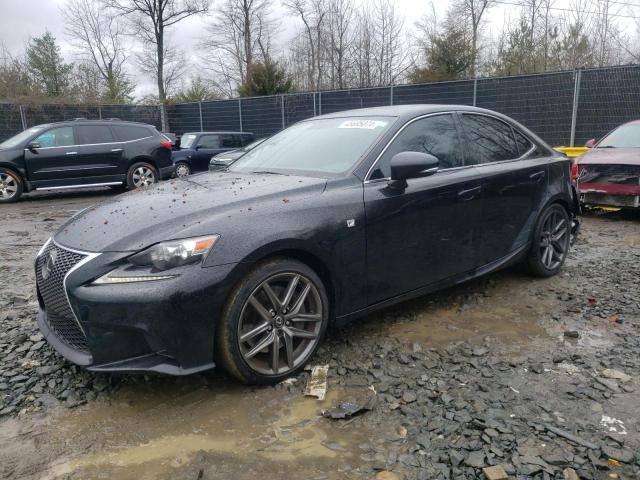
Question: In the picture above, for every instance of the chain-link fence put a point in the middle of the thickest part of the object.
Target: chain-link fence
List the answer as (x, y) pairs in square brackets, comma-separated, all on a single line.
[(565, 108)]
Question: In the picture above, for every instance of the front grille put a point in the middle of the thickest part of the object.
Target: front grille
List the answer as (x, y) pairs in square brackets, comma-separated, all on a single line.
[(614, 173), (54, 263)]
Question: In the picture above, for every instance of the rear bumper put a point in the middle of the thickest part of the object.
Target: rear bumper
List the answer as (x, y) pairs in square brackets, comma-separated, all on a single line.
[(610, 195), (167, 172)]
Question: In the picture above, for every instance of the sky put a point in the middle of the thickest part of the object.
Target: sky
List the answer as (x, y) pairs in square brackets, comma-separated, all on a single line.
[(22, 19)]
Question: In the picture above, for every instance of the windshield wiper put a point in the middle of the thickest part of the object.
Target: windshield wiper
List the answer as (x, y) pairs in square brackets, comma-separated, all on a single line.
[(607, 146), (267, 172)]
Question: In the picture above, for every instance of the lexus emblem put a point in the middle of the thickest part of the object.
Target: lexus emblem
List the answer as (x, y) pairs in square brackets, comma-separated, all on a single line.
[(49, 264)]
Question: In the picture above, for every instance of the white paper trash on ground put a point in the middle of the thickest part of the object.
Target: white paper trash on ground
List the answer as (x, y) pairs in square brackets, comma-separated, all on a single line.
[(317, 384)]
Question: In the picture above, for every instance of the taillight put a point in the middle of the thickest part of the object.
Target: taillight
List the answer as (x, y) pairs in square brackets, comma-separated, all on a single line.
[(166, 144), (574, 171)]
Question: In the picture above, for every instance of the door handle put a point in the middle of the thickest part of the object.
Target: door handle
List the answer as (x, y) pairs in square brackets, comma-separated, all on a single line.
[(537, 176), (470, 193), (72, 153)]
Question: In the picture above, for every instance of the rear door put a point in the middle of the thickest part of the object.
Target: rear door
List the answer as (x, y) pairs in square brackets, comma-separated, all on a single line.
[(514, 176), (97, 151), (56, 158), (423, 234)]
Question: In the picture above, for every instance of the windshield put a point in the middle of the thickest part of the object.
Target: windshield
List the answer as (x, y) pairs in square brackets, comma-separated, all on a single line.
[(323, 146), (20, 138), (626, 136), (187, 140)]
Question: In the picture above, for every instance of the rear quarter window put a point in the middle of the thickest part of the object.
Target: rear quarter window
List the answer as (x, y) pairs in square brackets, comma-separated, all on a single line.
[(127, 133)]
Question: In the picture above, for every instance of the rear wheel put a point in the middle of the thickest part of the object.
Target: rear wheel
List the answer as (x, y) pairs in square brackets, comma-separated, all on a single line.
[(273, 323), (141, 175), (10, 186), (182, 169), (551, 242)]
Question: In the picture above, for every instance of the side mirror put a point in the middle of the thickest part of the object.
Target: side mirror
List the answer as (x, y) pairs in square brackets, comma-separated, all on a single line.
[(406, 165), (33, 145), (590, 143)]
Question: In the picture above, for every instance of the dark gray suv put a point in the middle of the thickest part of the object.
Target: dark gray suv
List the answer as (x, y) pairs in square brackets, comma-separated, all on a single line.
[(83, 153)]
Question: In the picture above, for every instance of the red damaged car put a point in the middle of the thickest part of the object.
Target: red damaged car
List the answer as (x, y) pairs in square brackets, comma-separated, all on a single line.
[(609, 174)]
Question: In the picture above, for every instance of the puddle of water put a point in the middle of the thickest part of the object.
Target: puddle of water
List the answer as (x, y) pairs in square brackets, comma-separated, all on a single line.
[(511, 315), (145, 436)]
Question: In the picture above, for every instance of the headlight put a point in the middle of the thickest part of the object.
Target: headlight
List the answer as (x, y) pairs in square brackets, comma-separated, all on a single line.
[(166, 255), (160, 257)]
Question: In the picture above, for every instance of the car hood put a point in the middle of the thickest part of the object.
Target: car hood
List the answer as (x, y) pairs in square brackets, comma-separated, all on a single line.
[(202, 204), (622, 156)]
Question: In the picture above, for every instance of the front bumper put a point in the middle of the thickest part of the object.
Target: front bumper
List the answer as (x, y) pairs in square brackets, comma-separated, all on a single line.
[(165, 326)]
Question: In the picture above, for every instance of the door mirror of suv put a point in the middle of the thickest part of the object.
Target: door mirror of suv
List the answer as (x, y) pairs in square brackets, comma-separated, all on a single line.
[(590, 143), (33, 145), (406, 165)]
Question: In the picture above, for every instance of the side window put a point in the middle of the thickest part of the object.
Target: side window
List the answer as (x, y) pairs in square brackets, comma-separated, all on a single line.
[(127, 133), (229, 141), (524, 144), (209, 141), (488, 139), (435, 135), (56, 137), (90, 134)]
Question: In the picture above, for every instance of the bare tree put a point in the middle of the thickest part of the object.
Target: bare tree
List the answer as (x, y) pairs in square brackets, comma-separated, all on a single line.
[(239, 36), (151, 19), (340, 33), (363, 47), (389, 53), (172, 68), (98, 36), (473, 11), (313, 14)]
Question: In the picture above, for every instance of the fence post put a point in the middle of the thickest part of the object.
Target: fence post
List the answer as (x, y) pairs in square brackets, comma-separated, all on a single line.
[(240, 112), (200, 110), (475, 91), (319, 103), (314, 104), (282, 109), (23, 118), (574, 113), (100, 112), (391, 95)]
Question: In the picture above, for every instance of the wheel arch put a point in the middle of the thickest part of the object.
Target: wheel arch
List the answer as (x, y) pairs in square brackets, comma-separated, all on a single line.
[(145, 159), (295, 250), (21, 174)]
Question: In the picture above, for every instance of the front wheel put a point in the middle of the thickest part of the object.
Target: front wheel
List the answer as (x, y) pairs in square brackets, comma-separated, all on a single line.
[(10, 186), (273, 323), (141, 175), (551, 242)]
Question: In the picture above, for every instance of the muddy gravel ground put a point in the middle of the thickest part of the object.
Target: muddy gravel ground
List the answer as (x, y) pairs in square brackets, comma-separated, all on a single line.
[(538, 377)]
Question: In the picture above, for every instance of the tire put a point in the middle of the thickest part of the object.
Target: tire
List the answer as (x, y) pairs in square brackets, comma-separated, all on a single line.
[(11, 186), (141, 175), (182, 169), (244, 326), (551, 242)]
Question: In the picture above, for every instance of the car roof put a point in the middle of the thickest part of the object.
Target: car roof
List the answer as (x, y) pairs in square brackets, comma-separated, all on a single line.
[(218, 132), (405, 111), (82, 121)]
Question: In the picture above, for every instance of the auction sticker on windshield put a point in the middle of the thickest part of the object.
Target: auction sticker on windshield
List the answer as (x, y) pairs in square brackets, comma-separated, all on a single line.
[(365, 124)]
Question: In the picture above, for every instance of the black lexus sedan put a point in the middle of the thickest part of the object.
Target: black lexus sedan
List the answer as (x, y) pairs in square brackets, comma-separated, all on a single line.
[(332, 218)]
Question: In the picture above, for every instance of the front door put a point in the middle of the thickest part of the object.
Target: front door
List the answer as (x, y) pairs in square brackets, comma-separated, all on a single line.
[(424, 233), (55, 158)]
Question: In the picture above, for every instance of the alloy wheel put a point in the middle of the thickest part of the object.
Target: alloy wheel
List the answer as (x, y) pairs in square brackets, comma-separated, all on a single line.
[(143, 177), (280, 323), (553, 240), (8, 186)]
